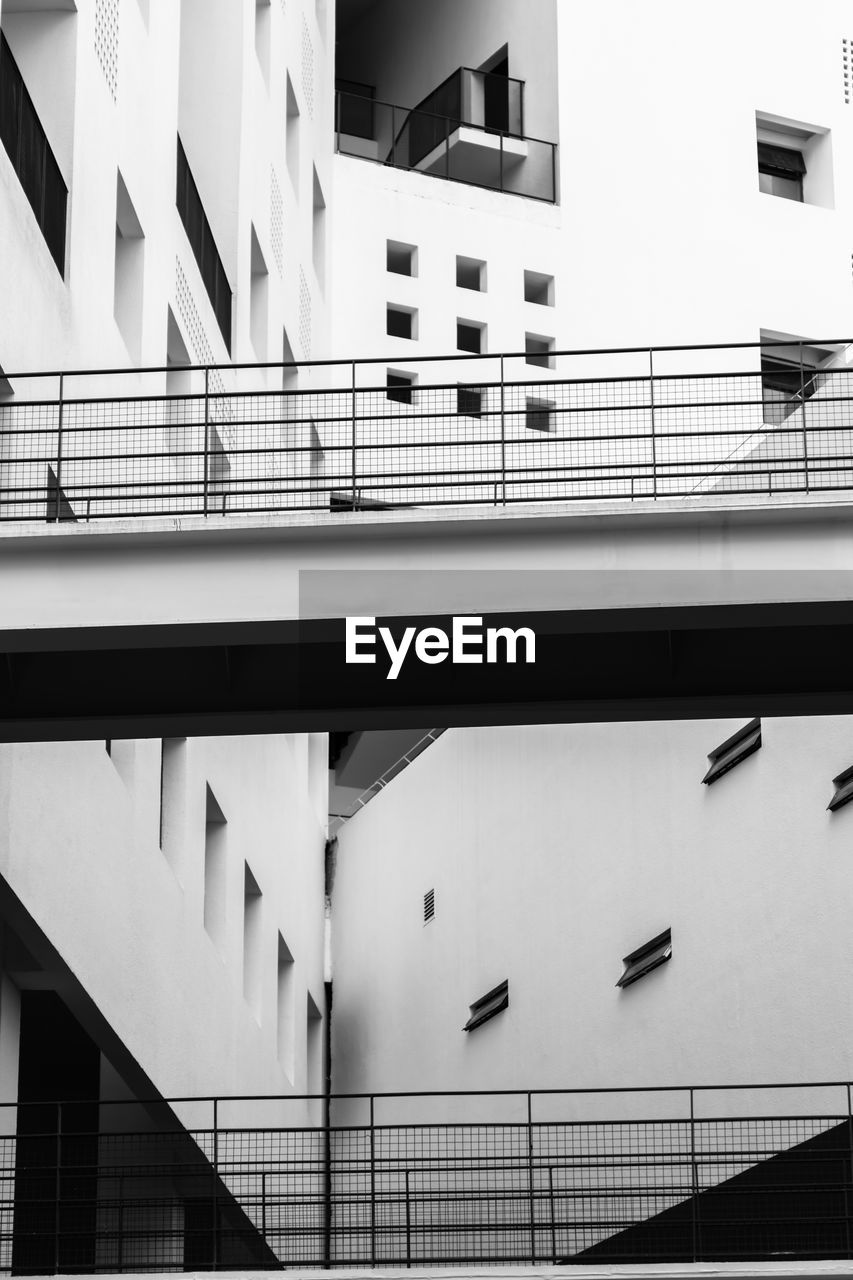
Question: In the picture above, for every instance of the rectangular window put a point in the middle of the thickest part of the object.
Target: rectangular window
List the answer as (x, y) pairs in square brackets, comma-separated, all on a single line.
[(252, 950), (215, 878), (401, 258), (471, 274), (487, 1006), (538, 414), (647, 957), (469, 400), (780, 171), (539, 288), (31, 155), (399, 386), (538, 350), (286, 1009), (203, 246), (469, 336), (733, 750), (400, 322)]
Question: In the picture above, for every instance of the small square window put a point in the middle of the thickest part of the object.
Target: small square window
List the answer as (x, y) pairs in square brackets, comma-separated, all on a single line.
[(471, 274), (780, 171), (469, 336), (651, 955), (401, 258), (538, 350), (400, 322), (539, 288), (487, 1006), (469, 400), (399, 386), (538, 414), (733, 750)]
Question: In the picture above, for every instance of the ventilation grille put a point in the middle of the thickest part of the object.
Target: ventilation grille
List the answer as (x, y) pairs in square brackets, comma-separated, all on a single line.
[(276, 221), (429, 905), (307, 69), (846, 52), (304, 314), (106, 42)]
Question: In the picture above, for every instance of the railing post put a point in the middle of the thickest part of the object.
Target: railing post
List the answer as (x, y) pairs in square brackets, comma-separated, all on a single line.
[(803, 414), (57, 1189), (408, 1225), (393, 136), (503, 435), (694, 1183), (354, 438), (120, 1261), (530, 1192), (501, 161), (61, 414), (264, 1204), (652, 422), (206, 445), (848, 1180), (372, 1189), (215, 1200), (553, 1221), (553, 173)]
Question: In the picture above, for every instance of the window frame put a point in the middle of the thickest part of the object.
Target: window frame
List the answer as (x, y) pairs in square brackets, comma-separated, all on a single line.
[(488, 1006), (738, 747), (645, 959)]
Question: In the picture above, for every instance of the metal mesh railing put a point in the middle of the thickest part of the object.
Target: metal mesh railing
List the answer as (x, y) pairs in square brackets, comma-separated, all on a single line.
[(487, 431), (433, 1179)]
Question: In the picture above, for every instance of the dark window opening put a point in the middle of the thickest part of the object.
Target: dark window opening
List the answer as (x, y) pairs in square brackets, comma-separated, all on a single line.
[(399, 323), (780, 171), (399, 387), (733, 750), (843, 790), (538, 350), (647, 957), (538, 414), (469, 400), (470, 273), (469, 337), (487, 1006), (32, 158), (401, 258), (203, 246)]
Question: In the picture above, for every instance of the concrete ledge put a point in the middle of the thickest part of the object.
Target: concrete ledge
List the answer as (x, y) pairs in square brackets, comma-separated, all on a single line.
[(781, 1270)]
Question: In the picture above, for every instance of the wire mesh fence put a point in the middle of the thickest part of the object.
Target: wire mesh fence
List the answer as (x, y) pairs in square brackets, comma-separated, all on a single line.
[(647, 1176), (489, 431)]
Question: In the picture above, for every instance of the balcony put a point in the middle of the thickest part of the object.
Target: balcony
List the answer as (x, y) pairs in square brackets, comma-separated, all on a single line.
[(678, 1175), (470, 129), (493, 431)]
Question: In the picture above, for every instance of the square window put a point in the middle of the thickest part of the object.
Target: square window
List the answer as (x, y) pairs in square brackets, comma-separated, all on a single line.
[(469, 336), (733, 750), (538, 350), (539, 288), (399, 386), (780, 171), (538, 414), (487, 1006), (469, 400), (400, 322), (647, 957), (471, 274), (401, 258)]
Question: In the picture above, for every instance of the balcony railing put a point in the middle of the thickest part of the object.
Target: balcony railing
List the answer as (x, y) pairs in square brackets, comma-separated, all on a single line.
[(689, 423), (469, 129), (736, 1173)]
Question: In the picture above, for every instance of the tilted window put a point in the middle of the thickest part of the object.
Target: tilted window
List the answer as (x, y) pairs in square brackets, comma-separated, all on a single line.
[(203, 245), (843, 789), (733, 750), (487, 1006), (647, 957)]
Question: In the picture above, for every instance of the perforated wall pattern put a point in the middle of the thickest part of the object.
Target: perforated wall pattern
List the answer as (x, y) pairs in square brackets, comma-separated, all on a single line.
[(846, 54), (304, 314), (307, 69), (276, 220), (106, 41), (202, 352)]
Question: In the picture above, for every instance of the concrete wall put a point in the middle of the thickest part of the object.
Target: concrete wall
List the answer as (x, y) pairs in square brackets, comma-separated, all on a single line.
[(553, 852)]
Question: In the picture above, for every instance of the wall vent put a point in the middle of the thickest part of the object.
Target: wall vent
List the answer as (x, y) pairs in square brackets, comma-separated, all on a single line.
[(429, 905)]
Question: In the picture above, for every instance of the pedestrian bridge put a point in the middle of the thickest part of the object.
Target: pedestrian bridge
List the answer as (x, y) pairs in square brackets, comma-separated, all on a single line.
[(178, 549)]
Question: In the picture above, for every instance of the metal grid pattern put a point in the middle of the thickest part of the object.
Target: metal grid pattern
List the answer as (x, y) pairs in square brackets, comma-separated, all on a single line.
[(455, 1191), (228, 441)]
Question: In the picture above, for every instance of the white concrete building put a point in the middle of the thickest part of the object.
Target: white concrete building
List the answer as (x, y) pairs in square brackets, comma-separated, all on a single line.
[(495, 182)]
